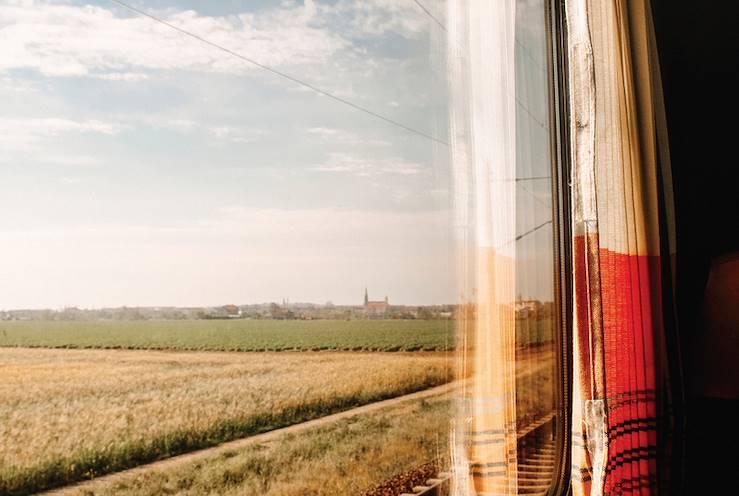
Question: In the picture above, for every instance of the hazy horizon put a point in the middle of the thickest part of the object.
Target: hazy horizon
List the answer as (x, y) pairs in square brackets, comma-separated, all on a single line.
[(288, 301), (141, 167)]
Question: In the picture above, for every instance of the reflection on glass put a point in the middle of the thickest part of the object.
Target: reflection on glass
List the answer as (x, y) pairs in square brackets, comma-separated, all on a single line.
[(504, 440), (535, 364)]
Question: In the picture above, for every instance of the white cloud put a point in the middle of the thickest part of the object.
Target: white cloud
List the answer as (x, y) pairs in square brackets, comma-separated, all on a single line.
[(235, 134), (71, 161), (218, 132), (402, 168), (15, 85), (23, 134), (256, 226), (54, 126), (72, 180), (363, 167), (378, 17), (182, 125), (65, 40), (340, 136), (128, 77), (313, 225)]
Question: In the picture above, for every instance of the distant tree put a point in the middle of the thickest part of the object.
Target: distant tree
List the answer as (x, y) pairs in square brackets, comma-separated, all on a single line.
[(276, 311), (425, 313)]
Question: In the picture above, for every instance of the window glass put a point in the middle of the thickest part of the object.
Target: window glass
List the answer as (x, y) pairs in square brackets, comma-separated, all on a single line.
[(227, 218), (500, 97), (221, 219), (535, 301)]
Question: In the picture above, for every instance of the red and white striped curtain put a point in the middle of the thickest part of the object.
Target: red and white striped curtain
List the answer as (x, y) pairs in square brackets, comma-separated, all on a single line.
[(623, 246), (622, 227)]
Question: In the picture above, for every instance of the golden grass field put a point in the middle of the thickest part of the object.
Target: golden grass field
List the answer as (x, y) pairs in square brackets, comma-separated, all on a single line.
[(347, 457), (71, 414)]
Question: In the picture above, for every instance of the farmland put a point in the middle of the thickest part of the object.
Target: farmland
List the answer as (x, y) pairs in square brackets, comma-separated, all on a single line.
[(66, 415), (347, 457), (234, 335)]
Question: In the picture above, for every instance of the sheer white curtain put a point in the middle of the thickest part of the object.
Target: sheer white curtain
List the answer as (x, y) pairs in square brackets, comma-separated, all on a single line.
[(483, 122)]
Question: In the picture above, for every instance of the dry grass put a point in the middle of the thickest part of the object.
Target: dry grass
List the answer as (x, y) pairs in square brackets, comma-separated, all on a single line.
[(348, 457), (70, 414)]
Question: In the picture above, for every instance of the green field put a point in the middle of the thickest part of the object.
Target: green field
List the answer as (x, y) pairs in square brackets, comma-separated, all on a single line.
[(234, 335)]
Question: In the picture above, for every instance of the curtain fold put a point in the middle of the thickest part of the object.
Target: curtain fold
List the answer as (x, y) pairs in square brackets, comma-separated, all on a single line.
[(621, 215), (502, 158), (483, 118), (623, 246)]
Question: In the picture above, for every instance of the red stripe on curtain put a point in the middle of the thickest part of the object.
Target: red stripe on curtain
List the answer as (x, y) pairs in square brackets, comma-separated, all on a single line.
[(621, 431), (632, 309), (618, 300)]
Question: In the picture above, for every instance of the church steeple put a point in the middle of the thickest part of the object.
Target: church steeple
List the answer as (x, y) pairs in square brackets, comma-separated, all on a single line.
[(366, 296)]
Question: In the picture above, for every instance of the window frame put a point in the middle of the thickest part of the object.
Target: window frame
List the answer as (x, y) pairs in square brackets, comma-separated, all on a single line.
[(560, 164)]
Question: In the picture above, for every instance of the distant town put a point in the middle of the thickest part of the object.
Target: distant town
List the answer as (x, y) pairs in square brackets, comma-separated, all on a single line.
[(286, 310)]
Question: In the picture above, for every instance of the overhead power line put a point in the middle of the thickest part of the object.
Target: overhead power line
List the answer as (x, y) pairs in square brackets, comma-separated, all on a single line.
[(533, 178), (437, 21), (281, 74), (523, 235), (520, 179), (531, 231)]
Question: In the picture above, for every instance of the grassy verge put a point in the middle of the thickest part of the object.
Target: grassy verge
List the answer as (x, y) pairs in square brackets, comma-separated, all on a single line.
[(349, 457)]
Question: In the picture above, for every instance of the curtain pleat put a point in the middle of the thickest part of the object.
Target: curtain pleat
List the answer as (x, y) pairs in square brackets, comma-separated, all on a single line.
[(621, 213), (502, 161), (483, 122)]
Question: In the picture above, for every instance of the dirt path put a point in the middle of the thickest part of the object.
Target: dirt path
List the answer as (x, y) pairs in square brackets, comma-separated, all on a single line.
[(176, 461)]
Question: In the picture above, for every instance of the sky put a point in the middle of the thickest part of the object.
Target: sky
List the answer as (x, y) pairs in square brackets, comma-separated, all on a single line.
[(142, 167)]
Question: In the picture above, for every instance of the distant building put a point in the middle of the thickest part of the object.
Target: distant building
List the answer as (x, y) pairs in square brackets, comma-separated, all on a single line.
[(375, 307), (526, 309), (232, 311)]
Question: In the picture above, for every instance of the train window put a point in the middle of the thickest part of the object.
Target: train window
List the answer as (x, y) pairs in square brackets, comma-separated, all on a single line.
[(166, 193), (510, 434), (535, 304), (225, 234)]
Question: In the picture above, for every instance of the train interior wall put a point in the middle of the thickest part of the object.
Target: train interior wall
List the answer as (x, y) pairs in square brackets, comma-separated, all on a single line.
[(697, 43)]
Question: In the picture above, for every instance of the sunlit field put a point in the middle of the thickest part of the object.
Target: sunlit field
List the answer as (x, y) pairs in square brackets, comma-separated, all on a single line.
[(235, 335), (72, 414), (348, 457)]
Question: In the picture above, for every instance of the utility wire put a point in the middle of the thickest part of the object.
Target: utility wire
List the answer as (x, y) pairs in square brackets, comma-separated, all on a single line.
[(533, 178), (521, 236), (437, 21), (281, 74), (520, 179), (531, 231), (523, 48)]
